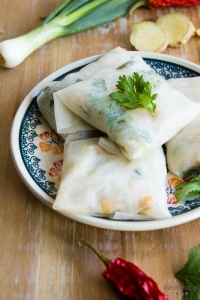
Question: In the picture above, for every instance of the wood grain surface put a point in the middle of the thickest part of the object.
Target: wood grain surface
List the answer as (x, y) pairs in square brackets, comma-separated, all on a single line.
[(39, 255)]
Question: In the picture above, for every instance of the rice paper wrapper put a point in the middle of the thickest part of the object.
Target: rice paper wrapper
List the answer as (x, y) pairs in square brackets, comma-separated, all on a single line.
[(70, 121), (110, 146), (137, 131), (183, 150), (94, 181)]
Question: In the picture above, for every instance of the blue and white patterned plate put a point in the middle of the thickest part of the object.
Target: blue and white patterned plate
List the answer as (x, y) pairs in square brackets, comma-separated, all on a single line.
[(37, 150)]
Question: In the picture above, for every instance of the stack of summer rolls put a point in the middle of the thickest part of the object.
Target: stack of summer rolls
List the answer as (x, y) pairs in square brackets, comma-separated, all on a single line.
[(113, 158)]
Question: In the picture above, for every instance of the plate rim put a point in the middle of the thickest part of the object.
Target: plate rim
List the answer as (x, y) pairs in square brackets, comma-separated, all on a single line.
[(46, 199)]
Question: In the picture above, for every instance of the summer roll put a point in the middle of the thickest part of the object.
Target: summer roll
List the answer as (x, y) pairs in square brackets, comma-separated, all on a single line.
[(97, 182), (136, 131), (70, 121), (183, 150)]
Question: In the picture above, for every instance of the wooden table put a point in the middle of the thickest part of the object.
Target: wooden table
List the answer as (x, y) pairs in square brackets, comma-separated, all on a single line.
[(40, 258)]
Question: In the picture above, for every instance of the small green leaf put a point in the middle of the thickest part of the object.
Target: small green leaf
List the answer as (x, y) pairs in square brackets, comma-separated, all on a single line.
[(120, 97), (190, 275), (185, 189), (195, 178), (133, 92)]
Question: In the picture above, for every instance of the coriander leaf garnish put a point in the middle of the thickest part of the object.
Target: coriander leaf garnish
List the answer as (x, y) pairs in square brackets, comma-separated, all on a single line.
[(185, 189), (190, 274), (133, 92)]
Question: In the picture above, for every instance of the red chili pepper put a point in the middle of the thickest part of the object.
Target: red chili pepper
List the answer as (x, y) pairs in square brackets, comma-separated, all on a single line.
[(160, 3), (128, 278)]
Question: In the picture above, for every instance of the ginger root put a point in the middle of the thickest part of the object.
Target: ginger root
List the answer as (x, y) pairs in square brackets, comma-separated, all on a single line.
[(178, 27), (197, 32), (173, 30), (148, 36)]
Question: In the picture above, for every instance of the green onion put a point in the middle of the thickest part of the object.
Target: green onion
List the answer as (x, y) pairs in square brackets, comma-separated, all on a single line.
[(69, 17)]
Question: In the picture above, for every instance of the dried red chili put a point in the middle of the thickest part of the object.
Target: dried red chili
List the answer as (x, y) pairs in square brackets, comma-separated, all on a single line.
[(160, 3), (128, 278)]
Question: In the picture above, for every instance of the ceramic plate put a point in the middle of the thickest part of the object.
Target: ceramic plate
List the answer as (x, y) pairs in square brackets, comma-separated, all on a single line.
[(37, 150)]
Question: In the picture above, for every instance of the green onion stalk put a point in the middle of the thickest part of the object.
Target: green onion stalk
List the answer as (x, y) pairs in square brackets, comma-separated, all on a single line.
[(69, 17)]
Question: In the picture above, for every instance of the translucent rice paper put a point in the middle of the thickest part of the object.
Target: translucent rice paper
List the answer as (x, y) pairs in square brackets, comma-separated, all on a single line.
[(136, 131), (97, 182), (71, 122), (183, 150), (110, 146)]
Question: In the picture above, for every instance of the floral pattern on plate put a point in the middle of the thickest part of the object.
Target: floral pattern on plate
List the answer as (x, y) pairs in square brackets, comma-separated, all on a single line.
[(170, 190), (52, 142), (55, 171)]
